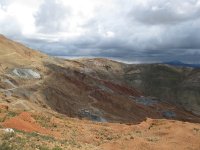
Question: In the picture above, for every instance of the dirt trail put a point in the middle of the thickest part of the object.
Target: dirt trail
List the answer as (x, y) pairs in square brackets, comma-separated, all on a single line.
[(94, 99), (13, 53), (22, 86)]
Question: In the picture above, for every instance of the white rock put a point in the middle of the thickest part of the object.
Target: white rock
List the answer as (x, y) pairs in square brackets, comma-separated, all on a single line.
[(9, 130), (26, 73)]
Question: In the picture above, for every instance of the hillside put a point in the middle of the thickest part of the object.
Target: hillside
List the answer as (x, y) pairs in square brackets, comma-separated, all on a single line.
[(128, 104), (13, 54), (177, 85)]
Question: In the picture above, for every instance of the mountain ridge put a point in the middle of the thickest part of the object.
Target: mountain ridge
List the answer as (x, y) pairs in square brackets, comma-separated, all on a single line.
[(181, 64), (98, 103)]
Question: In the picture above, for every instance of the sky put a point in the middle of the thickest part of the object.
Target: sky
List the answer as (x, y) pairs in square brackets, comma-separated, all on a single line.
[(130, 30)]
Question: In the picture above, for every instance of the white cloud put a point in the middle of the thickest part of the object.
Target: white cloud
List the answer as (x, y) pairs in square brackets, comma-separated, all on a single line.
[(9, 24)]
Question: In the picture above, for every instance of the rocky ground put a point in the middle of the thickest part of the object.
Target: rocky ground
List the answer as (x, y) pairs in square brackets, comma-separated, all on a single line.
[(34, 130)]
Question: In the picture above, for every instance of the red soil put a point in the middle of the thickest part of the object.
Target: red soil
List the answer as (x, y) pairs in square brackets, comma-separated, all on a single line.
[(78, 82), (27, 123), (122, 89)]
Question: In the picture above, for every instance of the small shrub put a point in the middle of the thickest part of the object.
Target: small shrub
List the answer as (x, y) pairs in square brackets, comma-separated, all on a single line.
[(6, 146), (12, 114), (20, 140), (33, 134), (43, 148), (109, 138), (42, 120), (7, 136), (2, 119), (152, 139), (196, 129), (57, 148), (47, 138)]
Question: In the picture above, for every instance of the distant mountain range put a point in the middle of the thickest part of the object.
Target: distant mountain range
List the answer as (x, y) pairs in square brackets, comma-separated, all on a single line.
[(181, 64)]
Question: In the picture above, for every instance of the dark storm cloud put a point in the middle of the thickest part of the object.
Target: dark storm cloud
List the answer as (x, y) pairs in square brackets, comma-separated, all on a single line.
[(146, 31), (167, 12), (63, 48)]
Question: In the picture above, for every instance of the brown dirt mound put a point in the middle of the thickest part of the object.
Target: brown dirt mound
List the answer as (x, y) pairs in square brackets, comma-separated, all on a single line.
[(27, 123)]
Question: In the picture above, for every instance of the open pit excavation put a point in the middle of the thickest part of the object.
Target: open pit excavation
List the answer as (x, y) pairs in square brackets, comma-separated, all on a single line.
[(95, 103)]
